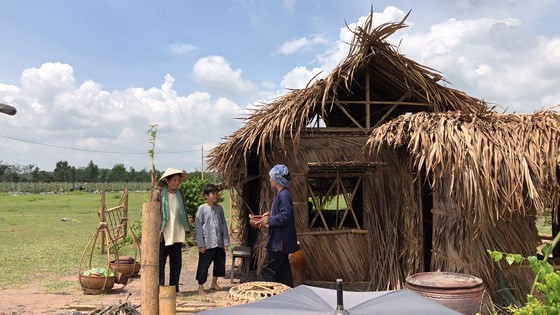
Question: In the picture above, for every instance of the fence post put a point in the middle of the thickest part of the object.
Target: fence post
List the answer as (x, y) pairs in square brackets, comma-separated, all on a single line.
[(125, 212), (102, 219)]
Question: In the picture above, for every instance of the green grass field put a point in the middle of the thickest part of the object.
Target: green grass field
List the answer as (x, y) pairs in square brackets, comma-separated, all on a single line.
[(36, 244)]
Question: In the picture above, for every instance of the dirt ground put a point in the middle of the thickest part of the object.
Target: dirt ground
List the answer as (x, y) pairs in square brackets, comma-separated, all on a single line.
[(33, 300)]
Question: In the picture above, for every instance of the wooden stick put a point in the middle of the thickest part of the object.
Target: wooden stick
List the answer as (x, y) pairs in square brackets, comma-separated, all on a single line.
[(197, 304)]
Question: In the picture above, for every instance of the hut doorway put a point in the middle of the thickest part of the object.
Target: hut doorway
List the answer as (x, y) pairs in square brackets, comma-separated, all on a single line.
[(427, 205), (250, 193)]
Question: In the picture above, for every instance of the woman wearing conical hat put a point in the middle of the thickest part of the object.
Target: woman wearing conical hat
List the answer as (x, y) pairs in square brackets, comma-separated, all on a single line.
[(174, 224)]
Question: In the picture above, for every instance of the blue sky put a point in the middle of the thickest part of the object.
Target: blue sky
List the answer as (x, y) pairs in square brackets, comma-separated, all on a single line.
[(93, 75)]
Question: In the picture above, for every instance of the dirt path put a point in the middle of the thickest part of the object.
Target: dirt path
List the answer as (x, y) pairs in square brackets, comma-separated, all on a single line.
[(33, 300)]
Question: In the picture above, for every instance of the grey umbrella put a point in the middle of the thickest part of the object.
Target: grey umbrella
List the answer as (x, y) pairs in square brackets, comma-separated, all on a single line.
[(312, 300)]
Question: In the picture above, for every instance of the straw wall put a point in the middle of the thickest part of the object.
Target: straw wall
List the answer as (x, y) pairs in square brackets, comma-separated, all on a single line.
[(389, 246), (396, 224)]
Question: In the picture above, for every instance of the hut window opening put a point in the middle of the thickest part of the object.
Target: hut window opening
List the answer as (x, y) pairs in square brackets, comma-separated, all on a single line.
[(335, 202)]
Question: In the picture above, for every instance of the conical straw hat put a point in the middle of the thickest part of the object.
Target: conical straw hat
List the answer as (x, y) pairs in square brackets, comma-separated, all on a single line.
[(171, 171)]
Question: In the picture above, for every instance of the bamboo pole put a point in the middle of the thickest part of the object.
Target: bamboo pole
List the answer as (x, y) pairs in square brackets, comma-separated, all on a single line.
[(103, 219), (167, 300), (125, 212), (151, 223)]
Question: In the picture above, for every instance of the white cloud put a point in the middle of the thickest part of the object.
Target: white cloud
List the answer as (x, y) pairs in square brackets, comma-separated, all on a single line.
[(181, 48), (216, 74), (90, 117), (299, 77), (48, 80), (492, 59), (550, 48), (291, 47)]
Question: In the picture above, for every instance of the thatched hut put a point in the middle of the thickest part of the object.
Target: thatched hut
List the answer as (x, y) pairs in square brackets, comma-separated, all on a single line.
[(364, 213)]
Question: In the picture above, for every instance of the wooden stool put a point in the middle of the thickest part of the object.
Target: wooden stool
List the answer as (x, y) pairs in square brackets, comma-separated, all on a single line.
[(242, 252)]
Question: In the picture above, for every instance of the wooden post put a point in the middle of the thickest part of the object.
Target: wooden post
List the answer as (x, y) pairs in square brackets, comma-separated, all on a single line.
[(102, 219), (230, 210), (151, 225), (368, 110), (125, 212), (167, 300)]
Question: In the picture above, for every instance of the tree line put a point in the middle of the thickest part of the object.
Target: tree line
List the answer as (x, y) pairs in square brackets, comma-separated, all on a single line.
[(64, 172)]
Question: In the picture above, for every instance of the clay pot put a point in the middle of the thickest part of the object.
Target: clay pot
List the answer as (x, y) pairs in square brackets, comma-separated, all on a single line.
[(298, 266), (253, 219), (97, 284), (461, 292)]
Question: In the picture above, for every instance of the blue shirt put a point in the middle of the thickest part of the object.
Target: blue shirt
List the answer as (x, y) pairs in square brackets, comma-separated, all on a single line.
[(281, 224)]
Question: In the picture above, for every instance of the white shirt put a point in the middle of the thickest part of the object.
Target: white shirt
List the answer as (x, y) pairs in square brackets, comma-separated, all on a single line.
[(173, 232)]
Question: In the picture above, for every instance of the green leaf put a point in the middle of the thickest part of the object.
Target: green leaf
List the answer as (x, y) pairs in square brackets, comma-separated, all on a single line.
[(518, 258), (496, 256), (510, 259), (532, 259), (546, 249)]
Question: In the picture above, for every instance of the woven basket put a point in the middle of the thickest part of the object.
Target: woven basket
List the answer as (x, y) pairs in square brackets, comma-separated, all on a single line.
[(97, 284), (253, 291)]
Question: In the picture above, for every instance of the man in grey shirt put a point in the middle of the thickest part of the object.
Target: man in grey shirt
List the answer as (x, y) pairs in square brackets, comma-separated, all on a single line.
[(212, 239)]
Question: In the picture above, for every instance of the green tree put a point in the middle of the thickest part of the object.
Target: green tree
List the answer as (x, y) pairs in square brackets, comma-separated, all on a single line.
[(118, 173), (62, 172), (142, 176), (11, 175), (91, 172), (3, 168), (41, 176), (104, 175)]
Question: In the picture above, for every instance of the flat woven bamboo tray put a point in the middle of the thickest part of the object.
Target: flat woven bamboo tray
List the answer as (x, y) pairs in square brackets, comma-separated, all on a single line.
[(253, 291)]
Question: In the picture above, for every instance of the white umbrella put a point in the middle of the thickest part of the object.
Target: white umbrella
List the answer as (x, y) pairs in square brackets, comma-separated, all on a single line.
[(313, 300)]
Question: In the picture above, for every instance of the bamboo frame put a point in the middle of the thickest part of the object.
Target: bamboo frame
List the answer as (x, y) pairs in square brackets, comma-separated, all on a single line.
[(350, 117), (116, 219)]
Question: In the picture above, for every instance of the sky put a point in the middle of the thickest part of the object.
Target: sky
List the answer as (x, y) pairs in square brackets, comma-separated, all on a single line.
[(89, 78)]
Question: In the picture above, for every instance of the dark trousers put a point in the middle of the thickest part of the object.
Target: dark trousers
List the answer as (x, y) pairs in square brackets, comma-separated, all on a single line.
[(276, 268), (216, 255), (175, 263)]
